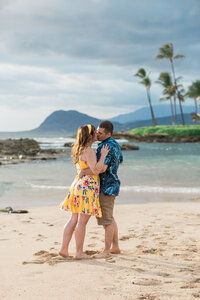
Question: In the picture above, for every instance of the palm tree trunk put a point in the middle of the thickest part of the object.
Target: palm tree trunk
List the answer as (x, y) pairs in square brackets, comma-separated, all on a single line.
[(174, 77), (173, 71), (172, 111), (175, 112), (195, 104), (151, 108), (181, 110)]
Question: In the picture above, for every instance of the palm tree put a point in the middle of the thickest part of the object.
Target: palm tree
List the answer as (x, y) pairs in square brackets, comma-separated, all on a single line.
[(141, 73), (194, 92), (169, 90), (181, 98), (167, 51)]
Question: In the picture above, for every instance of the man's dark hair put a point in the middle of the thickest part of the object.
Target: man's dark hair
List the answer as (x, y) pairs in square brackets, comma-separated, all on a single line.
[(107, 125)]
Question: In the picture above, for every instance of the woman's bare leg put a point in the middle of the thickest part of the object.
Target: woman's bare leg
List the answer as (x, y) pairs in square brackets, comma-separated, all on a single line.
[(67, 234), (80, 236)]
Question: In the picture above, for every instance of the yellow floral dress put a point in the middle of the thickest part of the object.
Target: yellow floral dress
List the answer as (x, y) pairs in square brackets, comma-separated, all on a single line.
[(83, 196)]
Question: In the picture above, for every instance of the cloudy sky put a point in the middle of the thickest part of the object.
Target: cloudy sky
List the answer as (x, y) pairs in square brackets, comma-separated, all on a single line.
[(81, 55)]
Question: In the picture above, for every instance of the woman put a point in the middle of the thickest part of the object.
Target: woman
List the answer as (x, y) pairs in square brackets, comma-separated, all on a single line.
[(83, 196)]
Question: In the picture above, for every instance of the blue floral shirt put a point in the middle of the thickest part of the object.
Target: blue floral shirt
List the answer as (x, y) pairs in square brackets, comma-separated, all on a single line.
[(109, 181)]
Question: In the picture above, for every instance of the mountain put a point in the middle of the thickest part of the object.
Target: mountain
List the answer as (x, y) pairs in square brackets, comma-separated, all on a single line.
[(143, 113), (160, 121), (67, 122)]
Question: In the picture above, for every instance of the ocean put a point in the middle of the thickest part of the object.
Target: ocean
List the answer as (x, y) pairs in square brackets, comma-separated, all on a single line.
[(156, 172)]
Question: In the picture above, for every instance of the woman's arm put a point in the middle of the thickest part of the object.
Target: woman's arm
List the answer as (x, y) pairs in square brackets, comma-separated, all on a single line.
[(90, 156), (89, 172)]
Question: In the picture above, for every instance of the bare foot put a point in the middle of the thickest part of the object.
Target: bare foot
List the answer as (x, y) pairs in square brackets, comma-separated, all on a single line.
[(115, 251), (82, 256), (65, 255), (102, 255)]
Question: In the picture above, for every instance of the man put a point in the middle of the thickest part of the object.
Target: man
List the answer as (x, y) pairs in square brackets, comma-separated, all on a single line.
[(109, 187)]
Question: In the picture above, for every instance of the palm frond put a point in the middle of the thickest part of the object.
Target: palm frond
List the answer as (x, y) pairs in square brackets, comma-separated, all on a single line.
[(165, 79), (160, 56), (147, 82), (164, 98), (194, 90), (178, 56), (141, 73)]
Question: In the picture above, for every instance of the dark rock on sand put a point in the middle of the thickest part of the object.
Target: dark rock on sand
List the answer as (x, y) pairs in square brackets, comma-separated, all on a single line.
[(9, 209)]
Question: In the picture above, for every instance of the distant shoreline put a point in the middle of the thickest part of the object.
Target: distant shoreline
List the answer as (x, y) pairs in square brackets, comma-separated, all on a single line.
[(14, 151), (156, 138)]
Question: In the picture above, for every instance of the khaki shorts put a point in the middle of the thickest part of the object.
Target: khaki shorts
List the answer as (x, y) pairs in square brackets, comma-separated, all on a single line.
[(107, 205)]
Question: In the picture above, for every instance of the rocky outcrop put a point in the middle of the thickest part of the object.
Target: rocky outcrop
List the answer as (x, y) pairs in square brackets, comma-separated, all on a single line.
[(19, 147), (126, 135), (13, 151), (129, 147), (70, 145), (156, 138)]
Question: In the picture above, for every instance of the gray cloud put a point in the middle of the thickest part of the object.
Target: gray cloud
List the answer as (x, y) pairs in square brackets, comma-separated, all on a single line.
[(60, 54)]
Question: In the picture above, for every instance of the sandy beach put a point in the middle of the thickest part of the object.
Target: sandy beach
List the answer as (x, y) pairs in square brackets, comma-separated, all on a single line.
[(159, 259)]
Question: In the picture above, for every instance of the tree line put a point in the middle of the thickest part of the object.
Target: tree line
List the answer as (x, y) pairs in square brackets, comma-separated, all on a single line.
[(173, 90)]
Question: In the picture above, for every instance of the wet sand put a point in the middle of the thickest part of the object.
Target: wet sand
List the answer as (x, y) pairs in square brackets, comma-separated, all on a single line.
[(159, 259)]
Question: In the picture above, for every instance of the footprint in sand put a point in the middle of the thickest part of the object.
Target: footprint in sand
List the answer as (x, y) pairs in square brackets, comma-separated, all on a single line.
[(91, 252), (163, 243), (40, 237), (93, 237), (196, 295), (163, 274), (50, 258), (146, 297), (49, 224), (111, 260), (91, 245), (151, 251), (126, 237), (139, 246), (147, 282), (139, 270)]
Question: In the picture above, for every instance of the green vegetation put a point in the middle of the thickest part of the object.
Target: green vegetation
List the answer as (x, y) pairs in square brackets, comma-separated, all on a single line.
[(176, 130)]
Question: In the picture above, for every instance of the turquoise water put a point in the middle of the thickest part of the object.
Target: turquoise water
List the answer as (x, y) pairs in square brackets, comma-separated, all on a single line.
[(157, 172)]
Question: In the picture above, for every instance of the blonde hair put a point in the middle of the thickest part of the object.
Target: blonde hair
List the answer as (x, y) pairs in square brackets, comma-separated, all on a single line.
[(84, 135)]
